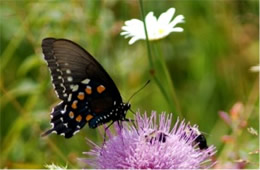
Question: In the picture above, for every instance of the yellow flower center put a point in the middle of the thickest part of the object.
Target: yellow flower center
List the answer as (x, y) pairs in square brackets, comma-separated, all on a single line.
[(161, 31)]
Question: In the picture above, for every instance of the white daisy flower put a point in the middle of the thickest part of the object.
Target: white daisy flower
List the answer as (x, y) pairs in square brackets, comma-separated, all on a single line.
[(156, 29)]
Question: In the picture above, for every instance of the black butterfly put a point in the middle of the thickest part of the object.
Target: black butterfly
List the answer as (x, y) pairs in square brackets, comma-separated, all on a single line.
[(87, 92)]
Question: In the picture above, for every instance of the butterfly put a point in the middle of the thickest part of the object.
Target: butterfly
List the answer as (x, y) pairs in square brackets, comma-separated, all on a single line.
[(87, 92)]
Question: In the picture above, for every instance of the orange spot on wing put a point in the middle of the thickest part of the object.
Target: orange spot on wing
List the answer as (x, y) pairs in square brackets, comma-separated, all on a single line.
[(100, 89), (88, 90), (89, 117), (78, 118), (81, 96), (71, 114), (74, 104)]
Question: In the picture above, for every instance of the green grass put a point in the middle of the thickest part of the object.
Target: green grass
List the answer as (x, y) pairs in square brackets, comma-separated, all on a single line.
[(203, 70)]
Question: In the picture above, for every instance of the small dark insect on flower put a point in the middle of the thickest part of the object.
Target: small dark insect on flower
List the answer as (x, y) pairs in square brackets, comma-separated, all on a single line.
[(156, 136), (200, 139)]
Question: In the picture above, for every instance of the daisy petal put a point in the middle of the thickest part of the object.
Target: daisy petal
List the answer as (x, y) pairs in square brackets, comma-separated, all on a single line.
[(133, 40), (133, 22), (176, 20), (166, 17), (177, 29), (151, 21)]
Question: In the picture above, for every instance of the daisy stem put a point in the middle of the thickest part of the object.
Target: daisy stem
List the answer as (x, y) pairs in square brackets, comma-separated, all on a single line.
[(146, 35), (152, 69), (150, 54), (172, 93)]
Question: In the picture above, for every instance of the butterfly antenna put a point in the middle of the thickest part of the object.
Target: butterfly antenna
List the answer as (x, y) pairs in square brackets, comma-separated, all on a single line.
[(139, 90)]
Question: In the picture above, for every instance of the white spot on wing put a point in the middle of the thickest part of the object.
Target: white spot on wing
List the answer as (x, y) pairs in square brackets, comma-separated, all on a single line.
[(69, 78), (86, 81), (66, 125), (56, 93), (68, 71), (63, 87), (69, 98), (75, 132), (75, 88), (62, 134)]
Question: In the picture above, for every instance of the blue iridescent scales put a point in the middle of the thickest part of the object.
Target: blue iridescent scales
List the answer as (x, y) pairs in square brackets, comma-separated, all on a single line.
[(87, 92)]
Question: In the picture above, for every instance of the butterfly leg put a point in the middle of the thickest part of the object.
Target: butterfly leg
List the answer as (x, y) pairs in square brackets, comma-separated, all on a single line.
[(105, 134), (120, 125)]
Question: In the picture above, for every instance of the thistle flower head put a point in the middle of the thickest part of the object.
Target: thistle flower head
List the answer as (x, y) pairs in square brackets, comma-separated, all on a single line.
[(156, 28), (151, 146)]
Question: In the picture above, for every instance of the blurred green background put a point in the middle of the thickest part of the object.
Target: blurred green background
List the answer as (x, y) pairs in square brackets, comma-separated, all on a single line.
[(209, 65)]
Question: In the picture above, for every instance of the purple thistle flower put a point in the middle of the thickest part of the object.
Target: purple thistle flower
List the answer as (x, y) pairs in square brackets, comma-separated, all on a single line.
[(151, 146)]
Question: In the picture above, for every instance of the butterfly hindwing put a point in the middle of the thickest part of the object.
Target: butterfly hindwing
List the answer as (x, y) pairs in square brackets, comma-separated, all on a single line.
[(88, 103)]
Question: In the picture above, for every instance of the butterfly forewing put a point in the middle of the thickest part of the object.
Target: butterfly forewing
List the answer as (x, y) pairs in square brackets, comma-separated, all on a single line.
[(87, 91), (70, 64)]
